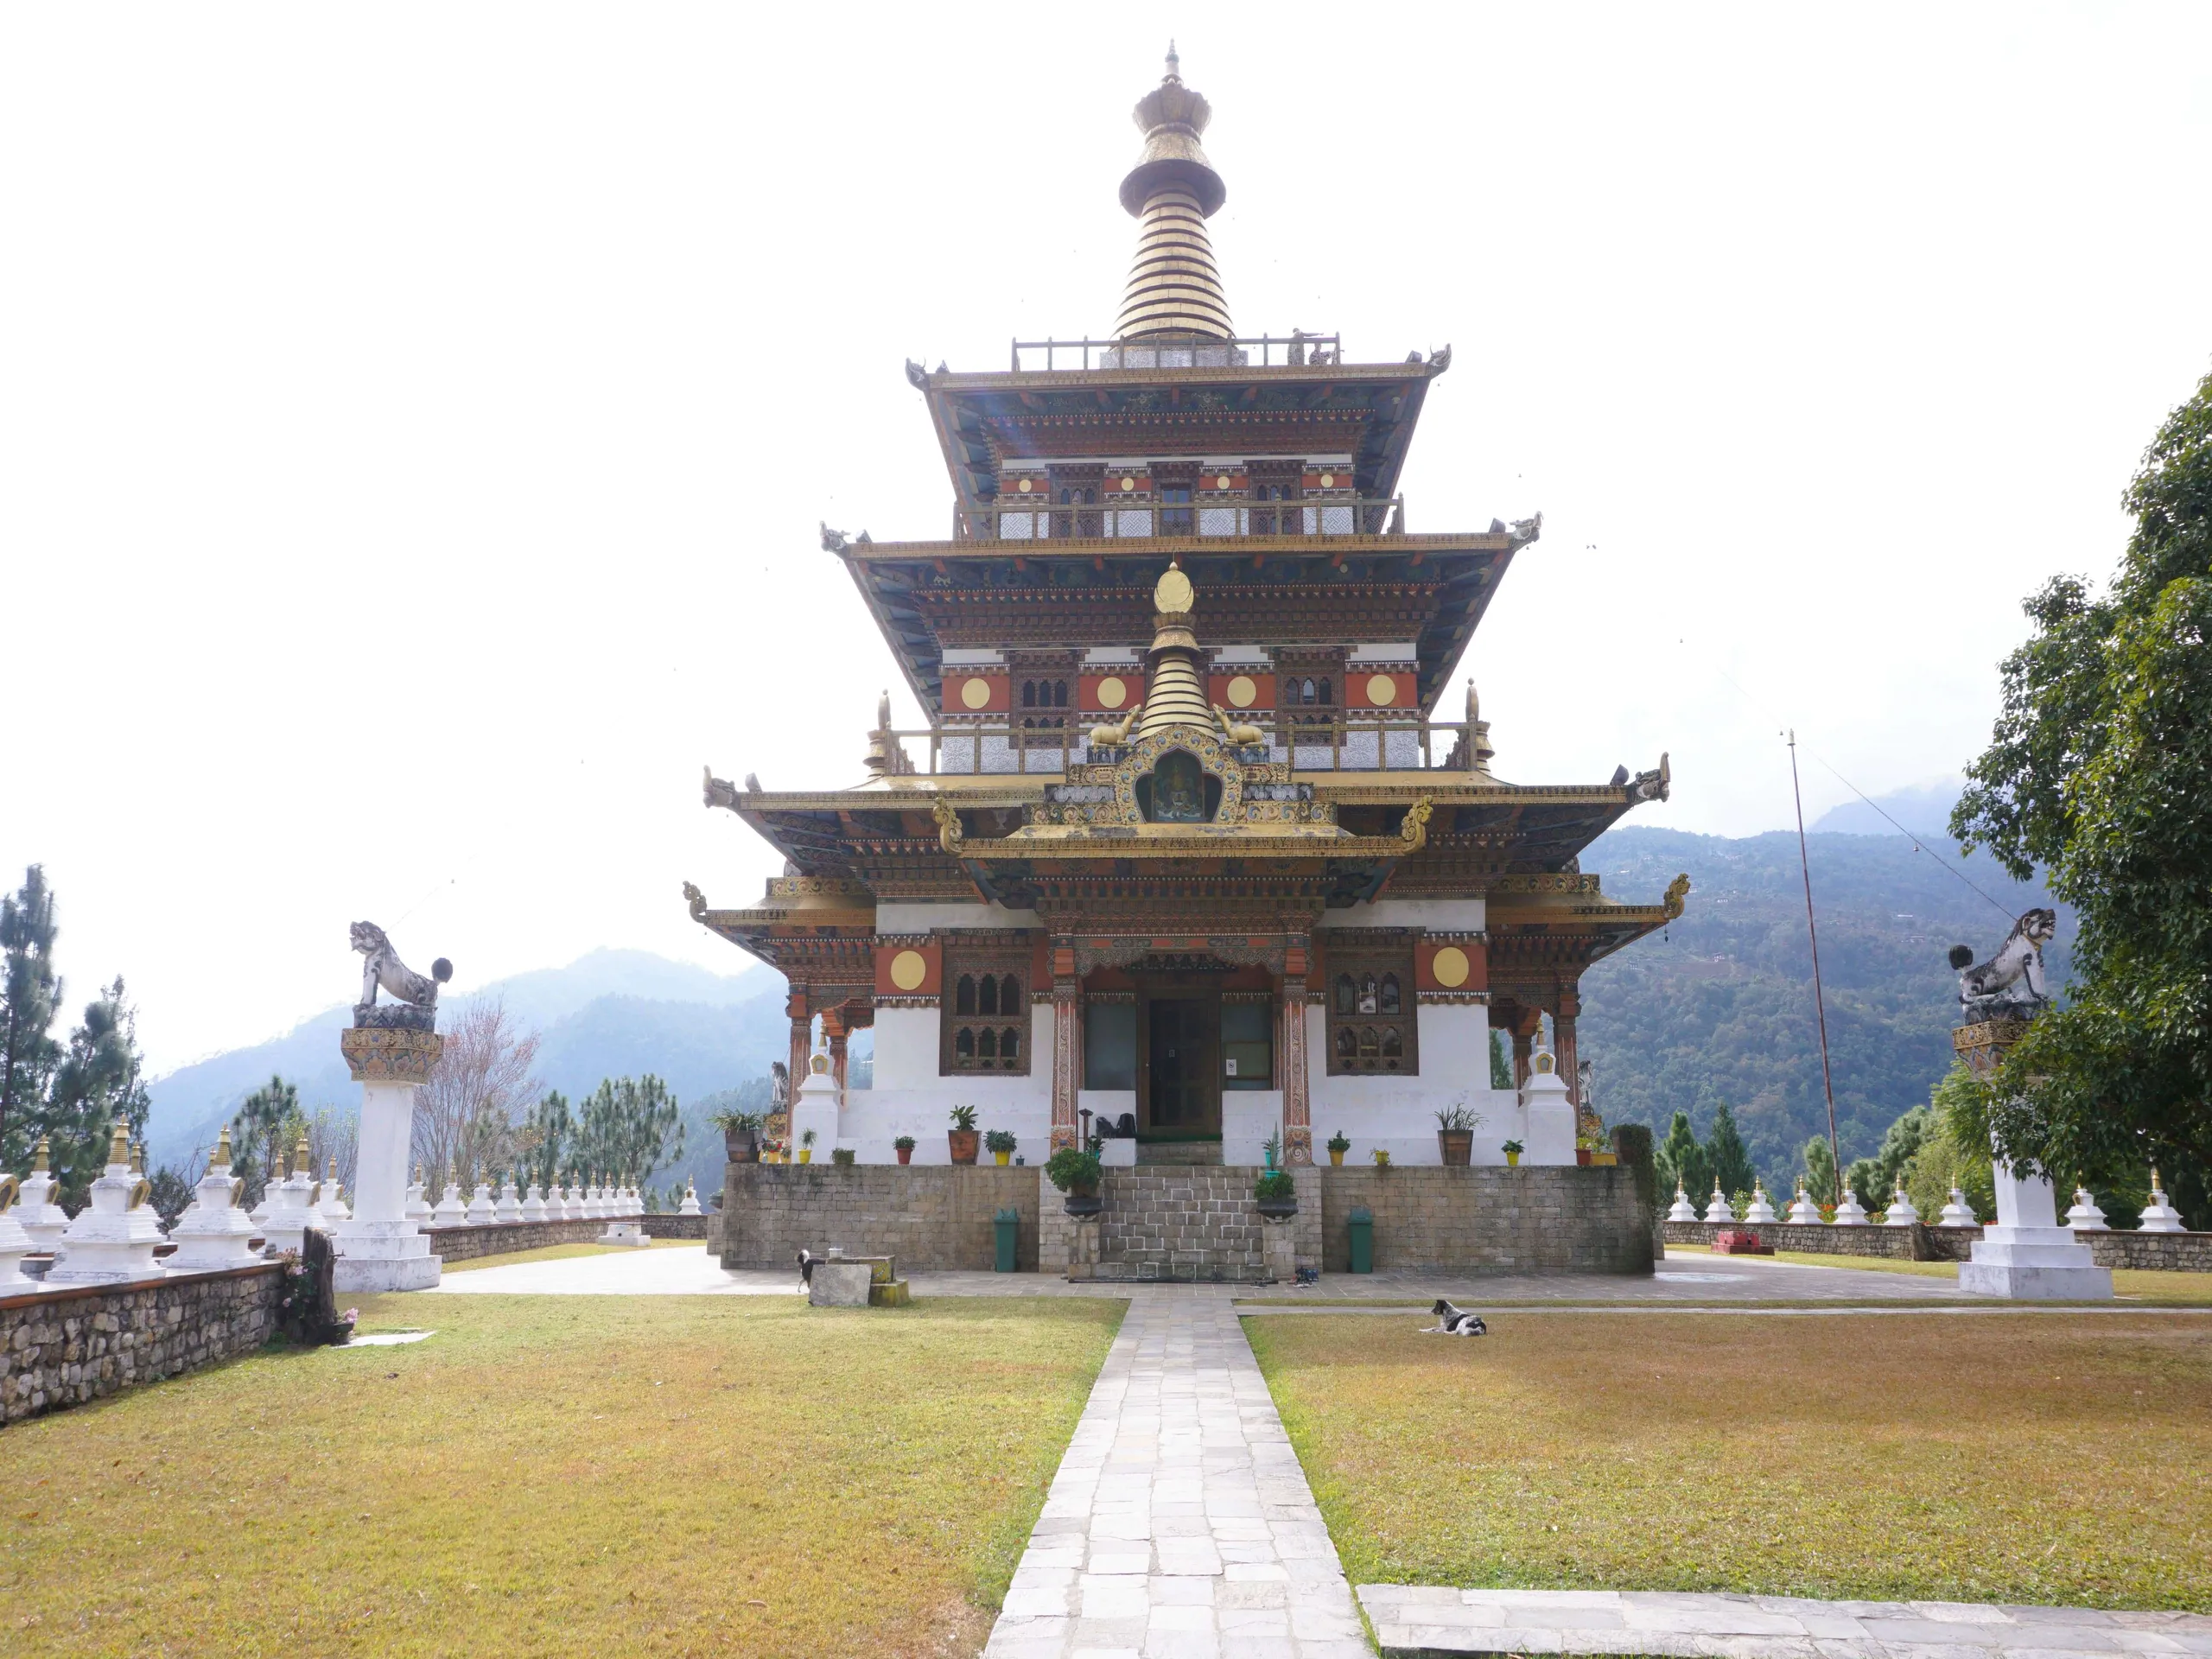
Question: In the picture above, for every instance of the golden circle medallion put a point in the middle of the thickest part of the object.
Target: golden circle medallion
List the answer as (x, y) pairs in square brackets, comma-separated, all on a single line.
[(1242, 692), (1450, 968), (1382, 690), (1112, 693), (909, 969), (976, 693)]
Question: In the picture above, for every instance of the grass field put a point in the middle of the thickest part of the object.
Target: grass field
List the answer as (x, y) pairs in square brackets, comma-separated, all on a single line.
[(563, 1252), (2159, 1289), (660, 1475), (2048, 1460)]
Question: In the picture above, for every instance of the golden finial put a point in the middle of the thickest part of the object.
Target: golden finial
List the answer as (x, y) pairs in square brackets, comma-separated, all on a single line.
[(221, 1158), (119, 1146), (1173, 595), (40, 1157), (330, 1171), (302, 1160)]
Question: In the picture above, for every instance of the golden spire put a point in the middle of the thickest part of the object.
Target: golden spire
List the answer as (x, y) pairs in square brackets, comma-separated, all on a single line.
[(119, 1146), (222, 1157), (40, 1157), (1178, 694), (1173, 288)]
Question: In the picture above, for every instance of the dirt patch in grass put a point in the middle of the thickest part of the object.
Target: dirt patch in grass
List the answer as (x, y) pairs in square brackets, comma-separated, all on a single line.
[(563, 1252), (2054, 1459), (658, 1475)]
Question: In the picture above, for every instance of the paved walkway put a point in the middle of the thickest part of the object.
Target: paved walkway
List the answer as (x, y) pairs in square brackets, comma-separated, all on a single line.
[(1180, 1525), (1431, 1622)]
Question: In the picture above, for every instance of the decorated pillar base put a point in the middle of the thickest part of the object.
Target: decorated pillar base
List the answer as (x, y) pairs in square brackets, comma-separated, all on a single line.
[(381, 1247), (2027, 1256)]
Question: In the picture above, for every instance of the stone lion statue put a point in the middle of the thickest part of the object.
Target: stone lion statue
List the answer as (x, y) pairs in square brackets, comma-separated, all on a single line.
[(2010, 983), (381, 965)]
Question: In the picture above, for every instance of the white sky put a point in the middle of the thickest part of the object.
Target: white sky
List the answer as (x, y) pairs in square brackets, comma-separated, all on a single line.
[(414, 420)]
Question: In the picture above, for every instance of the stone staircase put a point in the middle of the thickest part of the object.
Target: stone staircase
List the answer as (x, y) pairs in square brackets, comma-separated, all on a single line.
[(1191, 1223), (1178, 1154)]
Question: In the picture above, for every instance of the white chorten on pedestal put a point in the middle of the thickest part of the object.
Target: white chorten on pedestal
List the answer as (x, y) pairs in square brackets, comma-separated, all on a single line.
[(1902, 1211), (1719, 1209), (1761, 1208), (622, 1224), (1850, 1212), (1683, 1210), (418, 1208), (508, 1211), (37, 1211), (451, 1211), (481, 1210), (14, 1242), (2158, 1216), (214, 1234), (2085, 1217), (533, 1203), (691, 1204), (2027, 1256), (292, 1213), (1957, 1213), (111, 1240), (1803, 1212), (331, 1204)]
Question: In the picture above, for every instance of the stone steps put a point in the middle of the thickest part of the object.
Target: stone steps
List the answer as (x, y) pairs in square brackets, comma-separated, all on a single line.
[(1193, 1223)]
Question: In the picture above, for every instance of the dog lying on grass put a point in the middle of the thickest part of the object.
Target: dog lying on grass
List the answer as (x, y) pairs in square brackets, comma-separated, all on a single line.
[(1454, 1322)]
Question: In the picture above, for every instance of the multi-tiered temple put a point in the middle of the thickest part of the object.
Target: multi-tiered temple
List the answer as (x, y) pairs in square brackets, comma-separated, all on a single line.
[(1184, 842)]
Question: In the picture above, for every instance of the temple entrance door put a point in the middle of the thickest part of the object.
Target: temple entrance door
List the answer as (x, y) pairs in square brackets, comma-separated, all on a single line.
[(1182, 1085)]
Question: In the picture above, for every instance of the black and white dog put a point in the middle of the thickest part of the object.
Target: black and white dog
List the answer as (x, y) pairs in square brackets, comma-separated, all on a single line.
[(806, 1260), (1454, 1322)]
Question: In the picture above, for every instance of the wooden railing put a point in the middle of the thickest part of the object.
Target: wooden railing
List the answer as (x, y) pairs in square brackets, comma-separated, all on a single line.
[(1211, 514), (1319, 739), (1294, 350)]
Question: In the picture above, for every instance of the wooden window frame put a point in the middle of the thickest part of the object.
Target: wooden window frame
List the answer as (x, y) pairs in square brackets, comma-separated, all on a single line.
[(1012, 960), (1382, 958)]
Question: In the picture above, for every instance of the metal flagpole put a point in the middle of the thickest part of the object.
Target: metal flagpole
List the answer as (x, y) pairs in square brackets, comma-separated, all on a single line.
[(1820, 1003)]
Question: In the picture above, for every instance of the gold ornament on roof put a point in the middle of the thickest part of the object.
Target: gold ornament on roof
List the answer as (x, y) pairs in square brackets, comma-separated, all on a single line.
[(222, 1157), (1173, 595), (1677, 892)]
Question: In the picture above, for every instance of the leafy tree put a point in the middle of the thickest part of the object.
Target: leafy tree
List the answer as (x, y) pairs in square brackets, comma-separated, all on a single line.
[(1681, 1160), (1724, 1153), (1874, 1179), (2100, 770), (1820, 1170), (547, 1131), (628, 1128), (1501, 1063), (96, 1086), (172, 1193), (32, 993)]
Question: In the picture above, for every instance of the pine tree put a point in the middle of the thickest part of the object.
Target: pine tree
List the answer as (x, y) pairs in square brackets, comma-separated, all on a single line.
[(268, 1128), (1501, 1064), (1819, 1171), (1681, 1160), (1724, 1153), (97, 1086), (29, 1054), (547, 1130), (628, 1129)]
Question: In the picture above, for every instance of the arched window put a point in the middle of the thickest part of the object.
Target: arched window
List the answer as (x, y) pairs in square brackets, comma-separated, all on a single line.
[(1369, 1045), (1392, 1048), (1010, 1044), (1059, 694), (1370, 998), (983, 1012), (1347, 1046), (964, 1000), (987, 996), (987, 1044), (965, 1045), (1306, 691), (1009, 998), (1346, 994), (1029, 694), (1389, 1001), (1326, 698)]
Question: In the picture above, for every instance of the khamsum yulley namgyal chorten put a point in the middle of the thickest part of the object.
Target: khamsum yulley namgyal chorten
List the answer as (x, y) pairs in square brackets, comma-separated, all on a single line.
[(1183, 847)]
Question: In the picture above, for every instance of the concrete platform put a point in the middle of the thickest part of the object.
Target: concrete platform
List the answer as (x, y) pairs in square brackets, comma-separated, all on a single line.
[(1414, 1622)]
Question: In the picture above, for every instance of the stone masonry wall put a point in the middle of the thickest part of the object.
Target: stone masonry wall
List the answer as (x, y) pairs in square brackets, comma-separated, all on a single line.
[(1191, 1223), (1488, 1219), (670, 1226), (933, 1217), (466, 1243), (2167, 1252), (64, 1347)]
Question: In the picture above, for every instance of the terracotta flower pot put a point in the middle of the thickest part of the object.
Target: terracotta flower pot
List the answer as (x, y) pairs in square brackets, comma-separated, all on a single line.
[(964, 1144), (1458, 1146), (1582, 1156), (905, 1154)]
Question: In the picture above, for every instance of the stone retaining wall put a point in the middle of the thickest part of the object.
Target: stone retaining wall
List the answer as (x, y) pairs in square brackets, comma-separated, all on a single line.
[(496, 1238), (64, 1347), (933, 1217), (668, 1226), (2156, 1252), (1429, 1218)]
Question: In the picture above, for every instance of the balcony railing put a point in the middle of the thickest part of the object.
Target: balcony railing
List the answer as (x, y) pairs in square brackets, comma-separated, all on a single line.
[(1032, 518), (1294, 350), (1311, 739)]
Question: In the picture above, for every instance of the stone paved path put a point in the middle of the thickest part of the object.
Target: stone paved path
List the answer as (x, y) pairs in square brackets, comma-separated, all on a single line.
[(1180, 1525), (1429, 1623)]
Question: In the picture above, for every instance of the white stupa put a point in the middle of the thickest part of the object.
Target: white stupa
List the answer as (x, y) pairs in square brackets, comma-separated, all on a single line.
[(1803, 1212), (2085, 1217), (292, 1213), (1683, 1210), (533, 1203), (331, 1206), (1850, 1212), (481, 1210), (110, 1241), (1957, 1213), (35, 1212), (451, 1211), (1719, 1209), (1761, 1208), (2158, 1216), (1902, 1212), (214, 1234), (508, 1209), (691, 1204), (623, 1226), (14, 1242), (417, 1209)]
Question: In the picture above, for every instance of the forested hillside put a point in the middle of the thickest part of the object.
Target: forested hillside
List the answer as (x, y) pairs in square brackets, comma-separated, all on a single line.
[(1720, 1006)]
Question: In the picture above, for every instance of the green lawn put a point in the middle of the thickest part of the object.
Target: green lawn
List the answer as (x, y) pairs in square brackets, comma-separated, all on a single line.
[(2055, 1459), (655, 1475)]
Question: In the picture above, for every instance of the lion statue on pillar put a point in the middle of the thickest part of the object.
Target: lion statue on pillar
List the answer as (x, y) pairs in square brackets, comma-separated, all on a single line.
[(381, 966)]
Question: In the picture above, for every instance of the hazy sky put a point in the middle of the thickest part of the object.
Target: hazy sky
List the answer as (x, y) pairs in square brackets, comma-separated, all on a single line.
[(414, 421)]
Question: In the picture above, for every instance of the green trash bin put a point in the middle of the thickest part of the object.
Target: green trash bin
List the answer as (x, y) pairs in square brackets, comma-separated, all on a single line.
[(1007, 1225), (1363, 1240)]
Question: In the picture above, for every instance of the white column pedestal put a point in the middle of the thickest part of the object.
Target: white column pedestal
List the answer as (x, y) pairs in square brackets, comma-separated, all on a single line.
[(380, 1248), (2027, 1256)]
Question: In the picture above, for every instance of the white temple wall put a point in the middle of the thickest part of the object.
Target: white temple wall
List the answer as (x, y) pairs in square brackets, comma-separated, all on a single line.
[(909, 1098), (1443, 915), (928, 916), (1399, 1114), (1249, 1117)]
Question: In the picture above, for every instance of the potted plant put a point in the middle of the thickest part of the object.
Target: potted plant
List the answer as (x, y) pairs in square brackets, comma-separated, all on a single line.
[(999, 1144), (740, 1134), (903, 1146), (1455, 1134), (1271, 1149), (1382, 1156), (1277, 1194), (1583, 1150), (1512, 1149), (842, 1156), (806, 1148), (1338, 1145), (962, 1136), (1075, 1173)]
